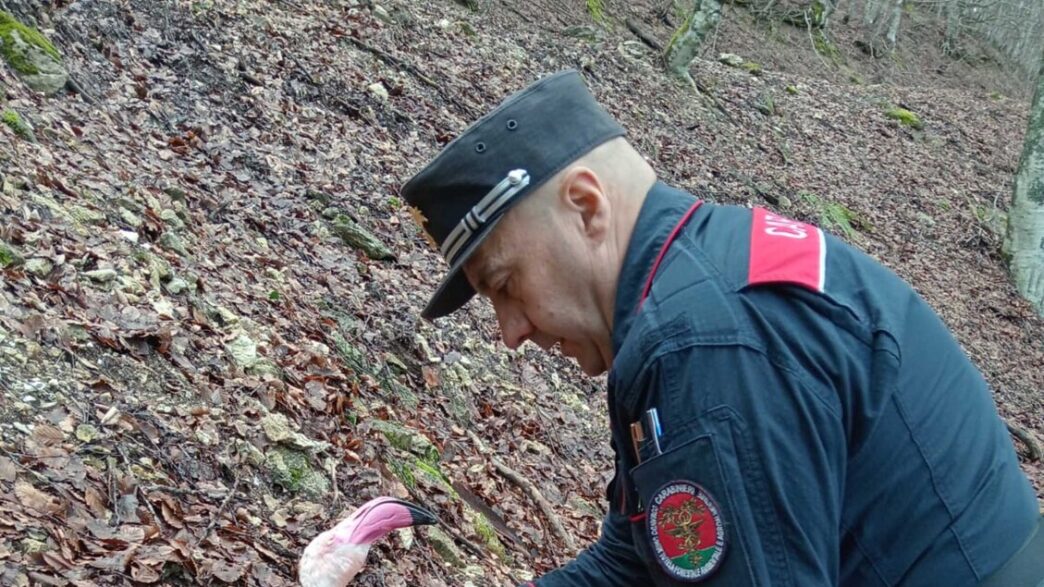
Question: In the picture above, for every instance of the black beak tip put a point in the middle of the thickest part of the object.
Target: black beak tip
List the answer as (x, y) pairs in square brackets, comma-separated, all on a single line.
[(422, 517)]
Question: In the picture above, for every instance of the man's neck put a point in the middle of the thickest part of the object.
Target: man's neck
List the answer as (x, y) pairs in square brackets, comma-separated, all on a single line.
[(626, 208)]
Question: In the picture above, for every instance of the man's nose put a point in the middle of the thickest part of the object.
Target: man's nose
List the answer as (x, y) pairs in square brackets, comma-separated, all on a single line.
[(515, 328)]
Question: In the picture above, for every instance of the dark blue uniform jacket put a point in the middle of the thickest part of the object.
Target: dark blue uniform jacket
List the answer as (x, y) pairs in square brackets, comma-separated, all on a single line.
[(830, 422)]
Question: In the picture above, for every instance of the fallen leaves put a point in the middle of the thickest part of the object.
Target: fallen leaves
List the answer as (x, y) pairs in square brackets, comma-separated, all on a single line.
[(34, 499)]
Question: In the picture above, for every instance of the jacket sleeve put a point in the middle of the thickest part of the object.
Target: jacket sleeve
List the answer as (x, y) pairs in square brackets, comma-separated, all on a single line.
[(610, 562)]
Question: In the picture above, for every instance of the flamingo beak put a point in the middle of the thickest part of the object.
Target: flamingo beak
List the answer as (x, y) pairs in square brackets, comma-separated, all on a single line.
[(421, 516)]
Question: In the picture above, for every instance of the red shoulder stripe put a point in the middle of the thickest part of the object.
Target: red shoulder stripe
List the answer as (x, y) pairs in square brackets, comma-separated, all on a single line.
[(786, 251)]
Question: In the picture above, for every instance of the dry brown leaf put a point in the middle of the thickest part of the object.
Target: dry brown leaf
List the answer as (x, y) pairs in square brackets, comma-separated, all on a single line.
[(96, 502), (227, 572), (47, 435), (56, 561), (8, 470), (144, 574), (33, 498)]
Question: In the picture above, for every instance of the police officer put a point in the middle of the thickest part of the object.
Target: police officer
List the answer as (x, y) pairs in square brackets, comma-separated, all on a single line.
[(784, 410)]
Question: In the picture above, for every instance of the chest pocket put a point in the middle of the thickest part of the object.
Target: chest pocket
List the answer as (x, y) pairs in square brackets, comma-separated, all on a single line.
[(690, 517)]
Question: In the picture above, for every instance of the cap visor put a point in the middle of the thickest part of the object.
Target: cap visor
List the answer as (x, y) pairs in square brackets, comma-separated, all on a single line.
[(454, 291)]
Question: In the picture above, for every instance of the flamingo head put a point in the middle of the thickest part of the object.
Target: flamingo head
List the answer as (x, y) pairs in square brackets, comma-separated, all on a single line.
[(334, 557)]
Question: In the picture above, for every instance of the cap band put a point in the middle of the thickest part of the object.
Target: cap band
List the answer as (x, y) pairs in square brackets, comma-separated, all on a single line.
[(515, 181)]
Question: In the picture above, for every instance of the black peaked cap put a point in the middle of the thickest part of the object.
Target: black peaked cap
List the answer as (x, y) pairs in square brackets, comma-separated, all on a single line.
[(465, 191)]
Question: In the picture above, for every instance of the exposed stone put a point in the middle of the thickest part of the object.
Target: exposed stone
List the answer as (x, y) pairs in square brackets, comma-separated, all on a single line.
[(85, 215), (444, 546), (101, 275), (291, 470), (731, 59), (277, 429), (131, 285), (172, 219), (173, 242), (130, 218), (38, 266), (9, 255), (379, 91), (177, 285), (18, 125), (382, 14), (250, 453), (243, 350), (31, 56), (352, 234), (408, 439)]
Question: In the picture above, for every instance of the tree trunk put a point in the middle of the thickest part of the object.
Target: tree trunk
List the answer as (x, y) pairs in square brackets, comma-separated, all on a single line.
[(951, 43), (893, 24), (1024, 244), (684, 45)]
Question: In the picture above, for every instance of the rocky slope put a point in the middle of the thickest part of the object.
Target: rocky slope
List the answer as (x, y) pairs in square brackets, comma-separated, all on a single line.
[(209, 344)]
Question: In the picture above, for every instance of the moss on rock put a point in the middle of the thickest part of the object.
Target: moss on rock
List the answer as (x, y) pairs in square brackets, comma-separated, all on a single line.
[(9, 256), (15, 122), (905, 117), (31, 56), (291, 470), (9, 28)]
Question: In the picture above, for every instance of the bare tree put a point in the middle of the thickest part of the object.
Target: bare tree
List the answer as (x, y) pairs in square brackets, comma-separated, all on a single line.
[(1025, 238)]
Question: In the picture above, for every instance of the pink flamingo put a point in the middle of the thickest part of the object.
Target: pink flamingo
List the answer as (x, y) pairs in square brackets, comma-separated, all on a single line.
[(335, 557)]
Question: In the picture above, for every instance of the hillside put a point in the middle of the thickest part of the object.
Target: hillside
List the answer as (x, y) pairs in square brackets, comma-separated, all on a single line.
[(201, 368)]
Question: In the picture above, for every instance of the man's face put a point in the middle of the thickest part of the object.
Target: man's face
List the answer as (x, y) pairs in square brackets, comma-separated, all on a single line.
[(535, 269)]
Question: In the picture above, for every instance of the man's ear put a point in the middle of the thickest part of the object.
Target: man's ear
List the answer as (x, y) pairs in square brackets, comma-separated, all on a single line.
[(582, 193)]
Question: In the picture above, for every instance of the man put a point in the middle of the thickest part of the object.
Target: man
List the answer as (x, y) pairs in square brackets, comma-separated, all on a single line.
[(784, 410)]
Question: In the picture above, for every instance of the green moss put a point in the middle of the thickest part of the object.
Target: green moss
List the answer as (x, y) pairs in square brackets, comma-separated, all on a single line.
[(489, 537), (597, 10), (752, 67), (16, 124), (825, 47), (291, 470), (905, 117), (9, 27), (832, 216), (8, 256), (404, 471)]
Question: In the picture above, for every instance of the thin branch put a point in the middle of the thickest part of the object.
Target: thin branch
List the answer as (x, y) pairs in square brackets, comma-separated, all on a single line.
[(1034, 448), (531, 490)]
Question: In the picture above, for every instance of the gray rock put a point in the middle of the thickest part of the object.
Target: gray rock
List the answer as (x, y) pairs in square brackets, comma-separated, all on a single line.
[(291, 470), (172, 219), (243, 350), (130, 218), (354, 235), (382, 14), (39, 266), (9, 255), (38, 65), (173, 242), (444, 546), (731, 59), (101, 275), (379, 91), (177, 285)]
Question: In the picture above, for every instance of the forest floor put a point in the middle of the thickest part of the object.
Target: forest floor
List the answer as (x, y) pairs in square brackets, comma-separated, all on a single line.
[(199, 375)]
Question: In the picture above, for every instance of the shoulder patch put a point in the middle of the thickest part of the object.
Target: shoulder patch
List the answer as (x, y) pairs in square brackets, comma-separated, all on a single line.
[(686, 530), (786, 251)]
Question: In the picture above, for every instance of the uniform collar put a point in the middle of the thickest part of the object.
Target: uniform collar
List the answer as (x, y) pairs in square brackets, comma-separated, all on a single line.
[(660, 212)]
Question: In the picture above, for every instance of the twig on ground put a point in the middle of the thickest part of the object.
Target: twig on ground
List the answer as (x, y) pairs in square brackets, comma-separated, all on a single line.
[(220, 512), (1031, 444), (531, 490)]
